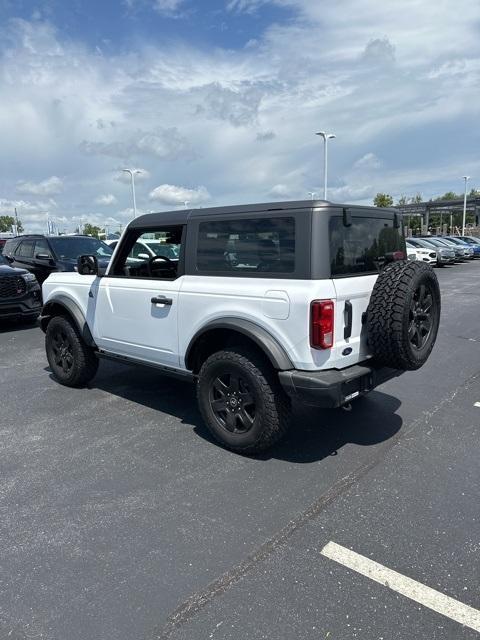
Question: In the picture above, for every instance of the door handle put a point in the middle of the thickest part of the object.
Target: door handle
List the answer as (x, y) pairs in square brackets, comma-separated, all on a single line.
[(162, 300)]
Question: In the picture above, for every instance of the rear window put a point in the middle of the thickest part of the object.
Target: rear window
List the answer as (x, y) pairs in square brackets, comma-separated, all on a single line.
[(365, 246), (259, 245)]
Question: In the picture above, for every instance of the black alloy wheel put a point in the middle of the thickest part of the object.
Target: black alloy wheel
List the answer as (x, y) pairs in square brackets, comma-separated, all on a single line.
[(62, 351), (73, 363), (420, 318), (232, 403)]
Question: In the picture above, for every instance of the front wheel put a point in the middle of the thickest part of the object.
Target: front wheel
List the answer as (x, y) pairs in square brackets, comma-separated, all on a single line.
[(242, 401), (73, 363)]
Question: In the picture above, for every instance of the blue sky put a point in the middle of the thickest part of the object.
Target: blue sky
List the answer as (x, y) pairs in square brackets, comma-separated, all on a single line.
[(217, 102)]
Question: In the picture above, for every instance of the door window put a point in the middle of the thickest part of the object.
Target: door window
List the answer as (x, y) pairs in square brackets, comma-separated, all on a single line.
[(41, 246), (25, 250), (163, 247)]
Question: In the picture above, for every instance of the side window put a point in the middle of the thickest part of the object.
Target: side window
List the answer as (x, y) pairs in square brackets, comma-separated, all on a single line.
[(257, 245), (41, 246), (155, 254), (365, 246), (25, 250)]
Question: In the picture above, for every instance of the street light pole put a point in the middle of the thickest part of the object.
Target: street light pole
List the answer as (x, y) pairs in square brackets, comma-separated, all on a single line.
[(132, 173), (466, 178), (311, 194), (326, 137)]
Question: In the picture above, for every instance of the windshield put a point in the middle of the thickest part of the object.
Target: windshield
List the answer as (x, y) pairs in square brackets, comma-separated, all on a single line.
[(2, 260), (162, 249), (70, 247)]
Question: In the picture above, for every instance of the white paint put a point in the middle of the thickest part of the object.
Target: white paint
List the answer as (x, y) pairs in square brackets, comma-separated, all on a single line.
[(477, 404), (449, 607)]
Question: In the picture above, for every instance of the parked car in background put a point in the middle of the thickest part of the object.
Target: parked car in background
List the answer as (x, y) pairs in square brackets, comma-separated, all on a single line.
[(440, 242), (20, 295), (473, 247), (411, 253), (42, 255), (425, 255), (445, 255), (471, 240), (467, 250), (145, 249)]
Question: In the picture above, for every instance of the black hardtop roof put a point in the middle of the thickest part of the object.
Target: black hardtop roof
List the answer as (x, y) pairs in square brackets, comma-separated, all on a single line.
[(183, 215)]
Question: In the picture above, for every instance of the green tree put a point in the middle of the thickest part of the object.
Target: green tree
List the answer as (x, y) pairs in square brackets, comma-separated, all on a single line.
[(416, 198), (403, 199), (383, 200), (91, 230), (6, 223), (450, 195)]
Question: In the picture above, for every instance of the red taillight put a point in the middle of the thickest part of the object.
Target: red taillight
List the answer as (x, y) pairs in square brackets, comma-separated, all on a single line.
[(398, 255), (321, 324)]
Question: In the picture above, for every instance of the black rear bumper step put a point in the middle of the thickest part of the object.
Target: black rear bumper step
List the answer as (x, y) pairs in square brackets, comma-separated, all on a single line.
[(334, 387)]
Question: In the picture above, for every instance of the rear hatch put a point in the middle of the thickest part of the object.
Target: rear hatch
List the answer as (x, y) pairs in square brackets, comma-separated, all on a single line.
[(362, 242)]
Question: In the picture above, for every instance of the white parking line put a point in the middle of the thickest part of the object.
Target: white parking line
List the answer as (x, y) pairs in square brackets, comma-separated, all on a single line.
[(477, 404), (412, 589)]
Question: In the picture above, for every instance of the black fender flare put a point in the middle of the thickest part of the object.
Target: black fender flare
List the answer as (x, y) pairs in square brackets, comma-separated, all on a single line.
[(264, 340), (73, 310)]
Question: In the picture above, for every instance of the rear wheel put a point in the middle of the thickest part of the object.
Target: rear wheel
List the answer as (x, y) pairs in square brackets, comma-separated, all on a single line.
[(241, 400), (73, 363)]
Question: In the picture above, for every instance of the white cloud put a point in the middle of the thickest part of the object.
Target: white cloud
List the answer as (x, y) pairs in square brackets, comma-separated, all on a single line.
[(168, 7), (169, 194), (167, 144), (368, 161), (106, 199), (280, 191), (48, 187)]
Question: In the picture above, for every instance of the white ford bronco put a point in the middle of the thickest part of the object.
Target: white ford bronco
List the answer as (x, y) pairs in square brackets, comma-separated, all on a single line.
[(262, 304)]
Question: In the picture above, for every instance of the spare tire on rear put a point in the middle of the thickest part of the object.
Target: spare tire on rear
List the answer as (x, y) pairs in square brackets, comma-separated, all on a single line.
[(403, 315)]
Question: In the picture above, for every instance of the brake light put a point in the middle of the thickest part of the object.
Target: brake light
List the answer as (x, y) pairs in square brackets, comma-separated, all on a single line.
[(321, 324), (398, 255)]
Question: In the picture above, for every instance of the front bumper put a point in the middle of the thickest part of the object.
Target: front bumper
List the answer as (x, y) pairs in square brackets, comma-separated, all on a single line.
[(25, 306), (334, 387)]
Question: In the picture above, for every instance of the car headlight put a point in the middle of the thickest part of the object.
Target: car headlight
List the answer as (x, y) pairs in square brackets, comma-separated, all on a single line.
[(28, 277)]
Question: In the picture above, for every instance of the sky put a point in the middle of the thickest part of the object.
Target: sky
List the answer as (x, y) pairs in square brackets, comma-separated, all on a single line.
[(217, 102)]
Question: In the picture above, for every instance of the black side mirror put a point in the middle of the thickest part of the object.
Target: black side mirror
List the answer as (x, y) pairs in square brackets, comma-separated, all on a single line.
[(87, 265)]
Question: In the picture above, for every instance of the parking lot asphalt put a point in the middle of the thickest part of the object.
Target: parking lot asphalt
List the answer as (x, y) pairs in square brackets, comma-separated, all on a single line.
[(119, 518)]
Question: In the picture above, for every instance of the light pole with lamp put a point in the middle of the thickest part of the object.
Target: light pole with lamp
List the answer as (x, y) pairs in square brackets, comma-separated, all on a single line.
[(311, 194), (326, 137), (132, 173), (466, 178)]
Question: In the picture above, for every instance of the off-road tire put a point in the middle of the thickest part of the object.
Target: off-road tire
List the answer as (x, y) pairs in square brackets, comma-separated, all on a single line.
[(392, 314), (83, 363), (272, 405)]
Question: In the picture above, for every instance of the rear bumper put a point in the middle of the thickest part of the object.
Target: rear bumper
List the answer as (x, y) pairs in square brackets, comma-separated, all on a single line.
[(334, 387)]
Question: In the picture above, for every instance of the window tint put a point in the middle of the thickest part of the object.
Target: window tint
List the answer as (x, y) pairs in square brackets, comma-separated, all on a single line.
[(243, 246), (41, 246), (157, 244), (365, 246), (25, 250)]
